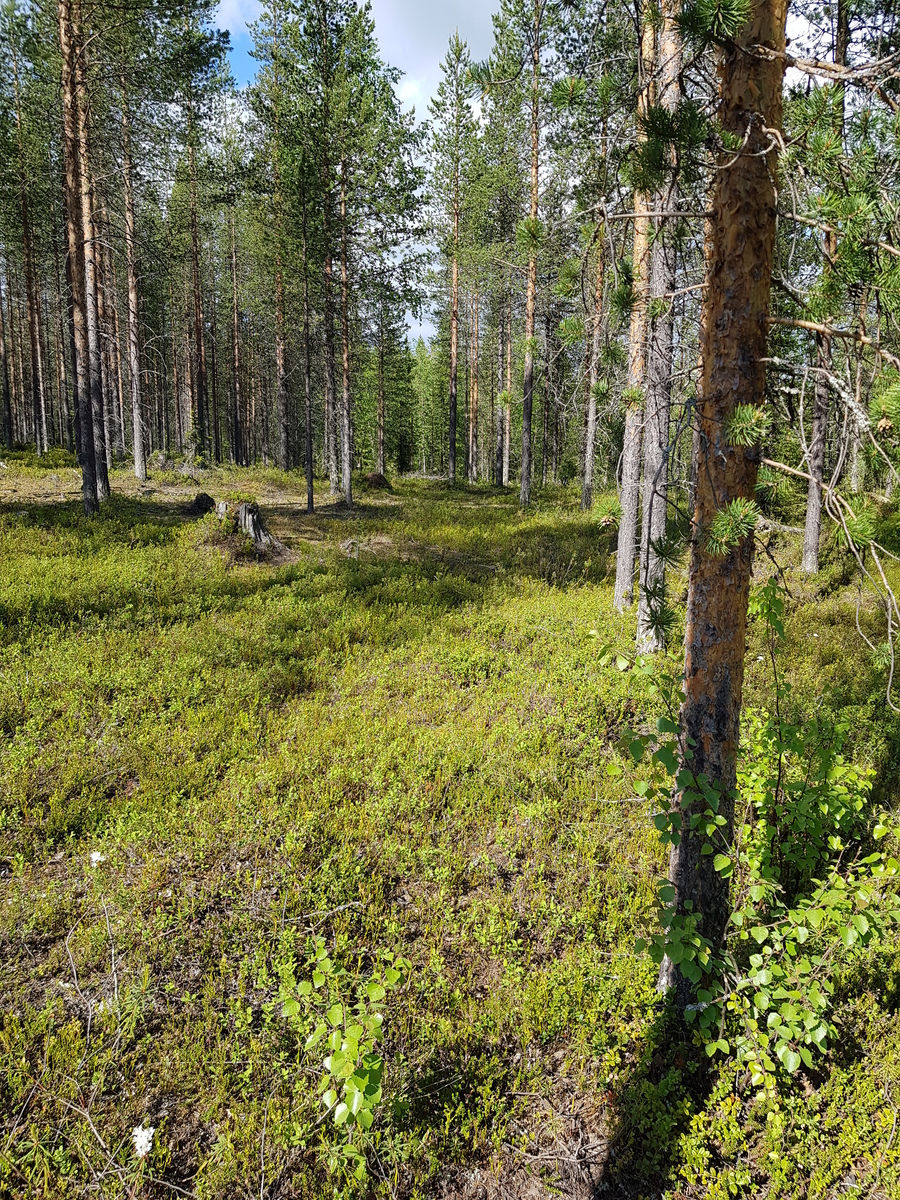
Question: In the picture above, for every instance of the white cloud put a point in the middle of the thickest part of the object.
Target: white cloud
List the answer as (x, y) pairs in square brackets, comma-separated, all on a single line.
[(408, 90), (236, 15)]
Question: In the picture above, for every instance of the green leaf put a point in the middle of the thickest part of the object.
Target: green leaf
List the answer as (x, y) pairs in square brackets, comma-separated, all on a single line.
[(335, 1014), (316, 1036), (341, 1113), (291, 1008), (790, 1060)]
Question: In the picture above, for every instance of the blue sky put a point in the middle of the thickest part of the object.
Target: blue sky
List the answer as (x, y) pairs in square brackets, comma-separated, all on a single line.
[(413, 36)]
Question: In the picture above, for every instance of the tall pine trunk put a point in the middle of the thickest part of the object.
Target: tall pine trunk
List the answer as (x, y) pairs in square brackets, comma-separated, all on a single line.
[(4, 383), (454, 335), (240, 443), (307, 352), (816, 460), (630, 482), (84, 417), (473, 402), (498, 424), (91, 282), (346, 413), (659, 353), (32, 287), (590, 425), (525, 469), (732, 347), (197, 289), (507, 407), (134, 352), (380, 459)]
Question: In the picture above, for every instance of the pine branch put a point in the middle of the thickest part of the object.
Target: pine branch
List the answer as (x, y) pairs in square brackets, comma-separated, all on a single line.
[(850, 335)]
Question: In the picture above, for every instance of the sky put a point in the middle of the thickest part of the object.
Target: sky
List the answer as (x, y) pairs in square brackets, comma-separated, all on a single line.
[(412, 34)]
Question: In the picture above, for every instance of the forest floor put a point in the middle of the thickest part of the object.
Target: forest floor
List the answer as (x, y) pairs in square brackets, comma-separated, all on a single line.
[(392, 735)]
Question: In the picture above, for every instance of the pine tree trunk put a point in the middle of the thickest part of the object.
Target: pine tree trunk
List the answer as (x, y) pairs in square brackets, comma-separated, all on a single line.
[(134, 353), (733, 344), (531, 288), (32, 296), (331, 454), (454, 347), (816, 461), (507, 407), (379, 461), (630, 484), (281, 405), (346, 414), (103, 333), (590, 425), (473, 403), (239, 450), (213, 370), (545, 424), (659, 354), (498, 427), (89, 242), (197, 282), (4, 383), (307, 353), (84, 417)]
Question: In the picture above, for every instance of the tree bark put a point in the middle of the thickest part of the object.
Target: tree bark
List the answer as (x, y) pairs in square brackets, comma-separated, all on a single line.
[(733, 344), (32, 291), (507, 407), (240, 452), (590, 426), (4, 382), (498, 427), (307, 353), (454, 336), (84, 420), (545, 424), (331, 452), (134, 352), (379, 457), (816, 460), (531, 287), (659, 353), (346, 414), (473, 402), (197, 282), (630, 484), (94, 379)]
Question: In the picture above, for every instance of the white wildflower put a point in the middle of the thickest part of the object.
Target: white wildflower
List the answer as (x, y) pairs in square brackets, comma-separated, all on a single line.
[(97, 858), (143, 1139)]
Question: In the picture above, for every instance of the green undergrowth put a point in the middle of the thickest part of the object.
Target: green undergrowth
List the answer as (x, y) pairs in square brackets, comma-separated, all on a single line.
[(392, 736)]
